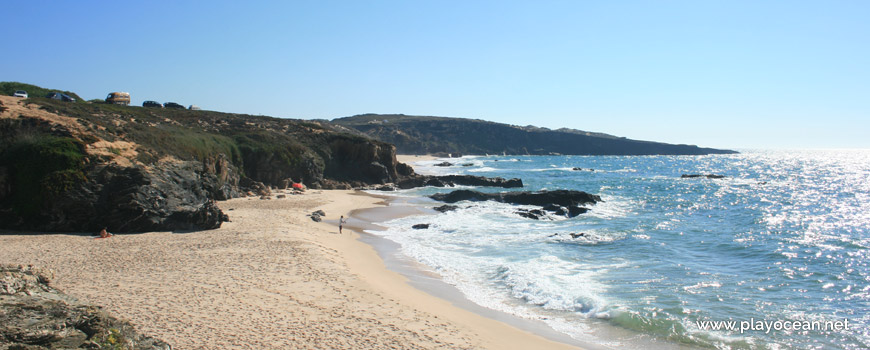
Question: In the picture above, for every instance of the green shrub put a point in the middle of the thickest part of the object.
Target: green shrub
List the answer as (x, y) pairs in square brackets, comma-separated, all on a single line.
[(43, 166)]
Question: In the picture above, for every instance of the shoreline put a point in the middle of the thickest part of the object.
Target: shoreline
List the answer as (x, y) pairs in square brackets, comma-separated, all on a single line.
[(270, 278), (422, 278), (497, 330)]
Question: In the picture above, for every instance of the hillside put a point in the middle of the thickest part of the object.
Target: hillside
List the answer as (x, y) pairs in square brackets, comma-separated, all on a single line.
[(84, 166), (431, 135)]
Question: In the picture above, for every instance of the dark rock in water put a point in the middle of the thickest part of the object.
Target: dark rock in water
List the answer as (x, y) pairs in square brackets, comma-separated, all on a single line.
[(445, 208), (554, 201), (565, 198), (576, 169), (420, 226), (386, 188), (444, 164), (577, 235), (527, 215), (470, 180), (435, 182), (709, 176), (556, 209), (468, 164), (534, 214), (33, 315), (453, 180), (576, 210)]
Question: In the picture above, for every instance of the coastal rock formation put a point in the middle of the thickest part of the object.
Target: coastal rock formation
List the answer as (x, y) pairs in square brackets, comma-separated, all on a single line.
[(363, 161), (709, 176), (560, 202), (33, 315), (226, 174), (453, 180), (565, 198), (81, 167), (445, 208), (534, 214), (420, 226), (175, 196)]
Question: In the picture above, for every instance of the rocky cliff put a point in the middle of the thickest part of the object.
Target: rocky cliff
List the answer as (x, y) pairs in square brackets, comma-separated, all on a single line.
[(84, 166)]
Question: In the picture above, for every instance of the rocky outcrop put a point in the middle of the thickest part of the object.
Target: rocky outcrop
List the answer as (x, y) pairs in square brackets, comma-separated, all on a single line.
[(445, 208), (33, 315), (227, 176), (167, 197), (420, 226), (363, 161), (709, 176), (565, 198), (170, 165), (317, 216), (551, 209), (560, 202), (453, 180)]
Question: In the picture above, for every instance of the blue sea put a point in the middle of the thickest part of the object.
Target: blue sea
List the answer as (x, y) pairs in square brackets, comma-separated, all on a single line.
[(779, 247)]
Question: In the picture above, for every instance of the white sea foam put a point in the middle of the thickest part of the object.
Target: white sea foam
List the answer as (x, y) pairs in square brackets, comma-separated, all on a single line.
[(808, 223), (485, 169)]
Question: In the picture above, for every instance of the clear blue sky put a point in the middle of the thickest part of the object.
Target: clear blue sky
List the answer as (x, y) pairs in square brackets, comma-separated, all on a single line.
[(732, 74)]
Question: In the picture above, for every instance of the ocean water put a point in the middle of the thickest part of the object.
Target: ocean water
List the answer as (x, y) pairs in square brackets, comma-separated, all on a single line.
[(779, 247)]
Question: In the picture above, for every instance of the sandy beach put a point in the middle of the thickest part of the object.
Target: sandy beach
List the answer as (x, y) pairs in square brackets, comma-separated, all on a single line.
[(271, 278)]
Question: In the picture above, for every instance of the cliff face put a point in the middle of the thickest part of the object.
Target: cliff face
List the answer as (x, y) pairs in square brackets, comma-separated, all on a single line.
[(420, 135), (81, 166)]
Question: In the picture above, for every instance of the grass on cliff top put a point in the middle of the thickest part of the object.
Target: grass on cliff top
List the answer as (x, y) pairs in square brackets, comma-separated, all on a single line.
[(9, 87), (197, 135)]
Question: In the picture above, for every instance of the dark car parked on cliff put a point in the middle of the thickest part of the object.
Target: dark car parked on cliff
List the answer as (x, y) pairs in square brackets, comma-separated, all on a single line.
[(173, 105), (154, 104), (60, 96)]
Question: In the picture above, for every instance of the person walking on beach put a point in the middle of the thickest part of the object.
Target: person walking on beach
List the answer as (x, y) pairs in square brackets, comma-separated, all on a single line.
[(341, 223)]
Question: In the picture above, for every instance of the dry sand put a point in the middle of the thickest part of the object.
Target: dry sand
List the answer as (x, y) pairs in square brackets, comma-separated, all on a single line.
[(270, 279), (411, 159)]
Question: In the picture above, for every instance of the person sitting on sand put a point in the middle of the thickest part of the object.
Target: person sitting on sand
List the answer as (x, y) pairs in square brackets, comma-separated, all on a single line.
[(104, 233), (341, 223)]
